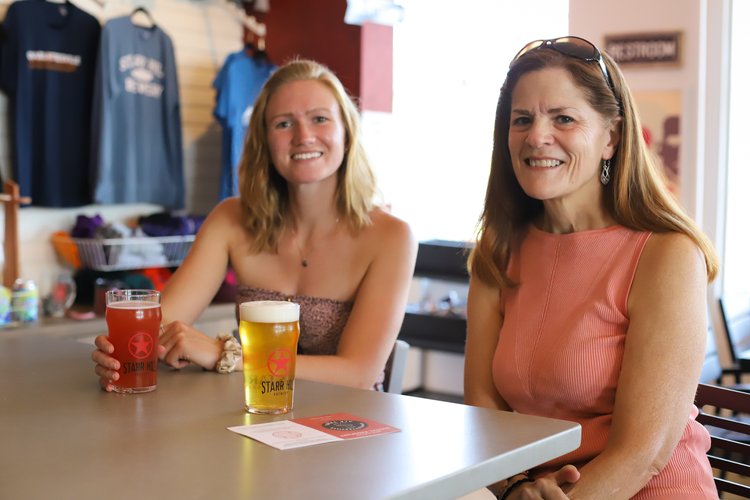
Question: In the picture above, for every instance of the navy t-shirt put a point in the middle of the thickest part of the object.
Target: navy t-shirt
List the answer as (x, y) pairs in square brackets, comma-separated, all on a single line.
[(48, 61)]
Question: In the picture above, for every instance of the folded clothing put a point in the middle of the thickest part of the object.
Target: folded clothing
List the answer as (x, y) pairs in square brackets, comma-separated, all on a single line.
[(113, 230), (86, 227), (138, 255), (166, 224)]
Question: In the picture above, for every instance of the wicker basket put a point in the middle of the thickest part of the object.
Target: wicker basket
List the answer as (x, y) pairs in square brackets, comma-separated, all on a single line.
[(118, 254)]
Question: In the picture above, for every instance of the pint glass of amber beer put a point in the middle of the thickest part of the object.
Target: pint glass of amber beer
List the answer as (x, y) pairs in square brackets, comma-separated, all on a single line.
[(133, 323), (269, 331)]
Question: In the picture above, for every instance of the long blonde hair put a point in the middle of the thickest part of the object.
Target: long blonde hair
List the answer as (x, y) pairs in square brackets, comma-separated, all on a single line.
[(264, 195), (637, 196)]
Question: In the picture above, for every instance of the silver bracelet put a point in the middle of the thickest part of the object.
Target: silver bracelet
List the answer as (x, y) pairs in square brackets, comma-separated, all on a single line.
[(230, 353)]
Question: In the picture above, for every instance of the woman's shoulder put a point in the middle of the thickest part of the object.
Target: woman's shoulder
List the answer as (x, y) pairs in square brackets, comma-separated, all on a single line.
[(672, 244), (383, 219), (228, 210), (229, 205), (670, 252), (671, 278), (387, 228), (225, 217)]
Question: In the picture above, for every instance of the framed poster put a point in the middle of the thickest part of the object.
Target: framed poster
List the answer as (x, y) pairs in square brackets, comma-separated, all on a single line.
[(661, 113)]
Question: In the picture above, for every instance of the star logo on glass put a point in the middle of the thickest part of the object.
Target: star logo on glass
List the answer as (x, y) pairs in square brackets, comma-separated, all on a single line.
[(140, 345)]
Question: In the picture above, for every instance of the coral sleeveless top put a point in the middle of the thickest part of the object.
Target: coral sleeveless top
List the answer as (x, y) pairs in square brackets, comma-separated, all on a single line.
[(561, 345)]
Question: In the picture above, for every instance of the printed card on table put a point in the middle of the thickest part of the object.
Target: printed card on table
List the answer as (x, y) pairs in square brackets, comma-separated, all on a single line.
[(299, 432)]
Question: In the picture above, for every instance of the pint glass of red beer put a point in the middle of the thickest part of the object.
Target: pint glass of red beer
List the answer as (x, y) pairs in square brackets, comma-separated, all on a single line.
[(133, 323)]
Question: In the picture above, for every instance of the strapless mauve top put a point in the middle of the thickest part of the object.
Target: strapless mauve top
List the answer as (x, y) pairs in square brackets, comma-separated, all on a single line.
[(321, 321)]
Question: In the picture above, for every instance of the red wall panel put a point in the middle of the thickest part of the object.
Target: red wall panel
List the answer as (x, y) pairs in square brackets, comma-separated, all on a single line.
[(362, 57)]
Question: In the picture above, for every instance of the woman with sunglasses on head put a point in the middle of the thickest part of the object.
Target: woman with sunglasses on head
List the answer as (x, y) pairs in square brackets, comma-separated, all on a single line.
[(305, 228), (587, 298)]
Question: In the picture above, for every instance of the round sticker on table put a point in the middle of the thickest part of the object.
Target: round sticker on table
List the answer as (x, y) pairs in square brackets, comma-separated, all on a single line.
[(345, 425)]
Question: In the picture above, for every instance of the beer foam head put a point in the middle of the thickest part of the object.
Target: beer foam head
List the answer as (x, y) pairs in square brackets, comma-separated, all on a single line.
[(269, 311), (133, 304)]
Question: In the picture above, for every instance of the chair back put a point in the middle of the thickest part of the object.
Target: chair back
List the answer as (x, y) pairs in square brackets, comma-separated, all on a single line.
[(730, 436), (735, 312), (395, 367), (712, 370)]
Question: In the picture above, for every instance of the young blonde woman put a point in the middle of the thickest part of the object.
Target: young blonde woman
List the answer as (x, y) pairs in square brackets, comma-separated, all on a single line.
[(304, 228)]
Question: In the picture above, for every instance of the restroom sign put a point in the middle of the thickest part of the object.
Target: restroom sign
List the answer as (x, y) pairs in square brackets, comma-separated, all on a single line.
[(645, 48)]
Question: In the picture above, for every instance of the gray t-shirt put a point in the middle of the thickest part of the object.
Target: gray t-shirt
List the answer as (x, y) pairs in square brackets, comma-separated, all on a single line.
[(137, 136)]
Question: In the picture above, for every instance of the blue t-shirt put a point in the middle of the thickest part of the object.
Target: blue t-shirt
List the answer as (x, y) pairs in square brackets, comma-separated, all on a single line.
[(237, 85), (48, 61), (137, 142)]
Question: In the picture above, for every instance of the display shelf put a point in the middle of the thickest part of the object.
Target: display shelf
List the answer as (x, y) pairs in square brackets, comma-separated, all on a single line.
[(120, 254), (440, 333), (443, 265)]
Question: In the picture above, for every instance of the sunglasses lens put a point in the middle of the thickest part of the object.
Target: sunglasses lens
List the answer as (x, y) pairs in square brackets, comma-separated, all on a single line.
[(529, 47), (576, 47), (572, 46)]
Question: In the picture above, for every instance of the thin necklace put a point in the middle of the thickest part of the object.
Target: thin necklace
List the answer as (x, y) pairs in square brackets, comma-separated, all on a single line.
[(303, 260)]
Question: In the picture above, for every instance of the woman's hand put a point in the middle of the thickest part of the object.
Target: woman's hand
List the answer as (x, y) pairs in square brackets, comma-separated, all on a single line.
[(181, 344), (552, 486), (106, 366)]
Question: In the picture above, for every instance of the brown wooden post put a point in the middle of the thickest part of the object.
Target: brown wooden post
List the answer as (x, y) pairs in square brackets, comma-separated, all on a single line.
[(11, 199)]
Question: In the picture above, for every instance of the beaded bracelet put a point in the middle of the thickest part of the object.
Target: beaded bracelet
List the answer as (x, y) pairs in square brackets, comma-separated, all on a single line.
[(231, 352), (513, 486)]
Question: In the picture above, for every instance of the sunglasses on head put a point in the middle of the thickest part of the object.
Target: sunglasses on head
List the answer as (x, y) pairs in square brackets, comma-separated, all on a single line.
[(571, 46)]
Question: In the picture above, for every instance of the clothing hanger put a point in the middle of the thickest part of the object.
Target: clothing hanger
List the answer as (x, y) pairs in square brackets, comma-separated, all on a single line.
[(62, 7), (253, 28), (260, 53), (247, 42), (142, 10), (255, 45)]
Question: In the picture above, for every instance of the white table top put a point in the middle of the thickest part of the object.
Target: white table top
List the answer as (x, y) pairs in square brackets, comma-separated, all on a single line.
[(62, 437)]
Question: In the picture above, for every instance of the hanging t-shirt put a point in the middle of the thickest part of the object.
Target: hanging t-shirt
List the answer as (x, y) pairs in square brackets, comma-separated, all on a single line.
[(137, 141), (237, 85), (48, 61)]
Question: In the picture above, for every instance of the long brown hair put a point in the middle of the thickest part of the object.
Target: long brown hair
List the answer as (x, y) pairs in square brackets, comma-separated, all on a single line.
[(264, 194), (637, 196)]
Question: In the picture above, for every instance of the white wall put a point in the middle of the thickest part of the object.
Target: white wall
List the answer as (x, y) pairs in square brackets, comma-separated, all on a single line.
[(203, 33), (703, 80), (593, 19)]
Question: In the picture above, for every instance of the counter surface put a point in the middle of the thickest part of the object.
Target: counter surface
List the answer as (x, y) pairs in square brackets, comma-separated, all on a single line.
[(66, 327), (62, 436)]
